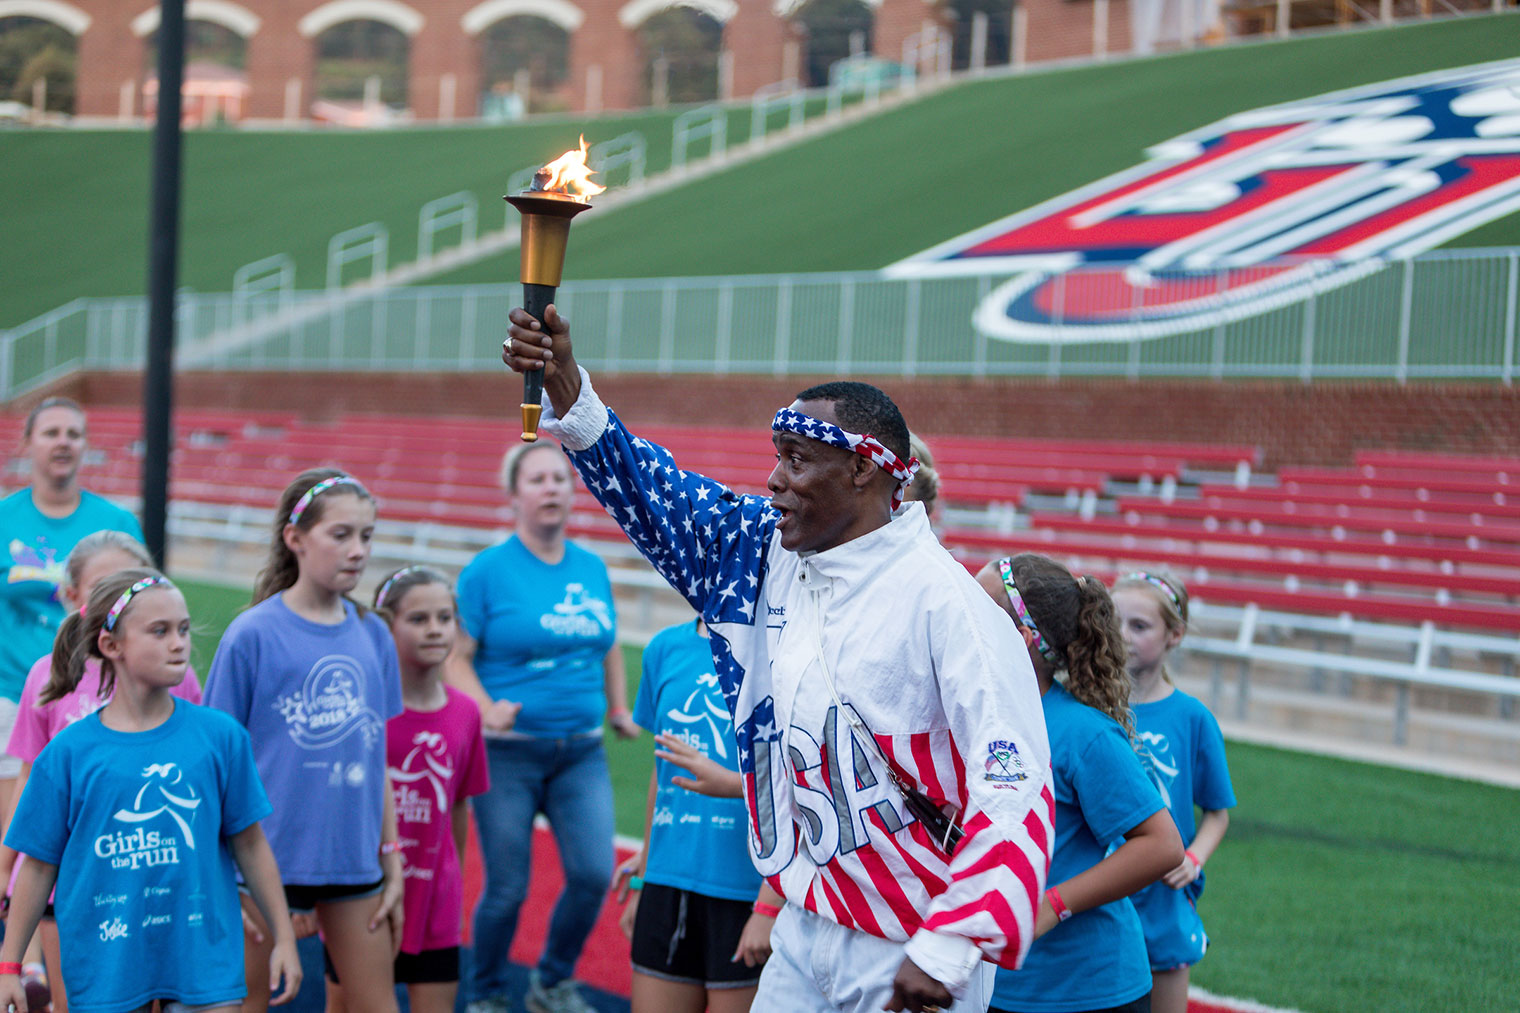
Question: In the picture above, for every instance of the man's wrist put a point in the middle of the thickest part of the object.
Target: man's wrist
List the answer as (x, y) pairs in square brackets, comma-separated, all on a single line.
[(949, 960)]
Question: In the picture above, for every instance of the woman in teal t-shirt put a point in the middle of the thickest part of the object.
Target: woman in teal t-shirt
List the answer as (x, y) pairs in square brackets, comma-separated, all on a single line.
[(42, 523), (538, 653)]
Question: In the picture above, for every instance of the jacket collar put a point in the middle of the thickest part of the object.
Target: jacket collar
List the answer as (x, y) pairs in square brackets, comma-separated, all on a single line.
[(857, 560)]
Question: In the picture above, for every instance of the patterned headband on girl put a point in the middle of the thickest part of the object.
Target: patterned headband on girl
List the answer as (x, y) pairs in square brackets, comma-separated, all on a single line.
[(385, 589), (789, 421), (1005, 567), (121, 603), (1155, 581), (319, 489)]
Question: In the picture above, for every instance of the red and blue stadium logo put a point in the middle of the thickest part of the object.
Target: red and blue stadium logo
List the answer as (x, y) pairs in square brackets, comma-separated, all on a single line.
[(1252, 213)]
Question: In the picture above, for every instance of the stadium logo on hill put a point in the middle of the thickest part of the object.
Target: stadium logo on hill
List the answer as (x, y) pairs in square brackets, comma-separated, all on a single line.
[(1251, 213)]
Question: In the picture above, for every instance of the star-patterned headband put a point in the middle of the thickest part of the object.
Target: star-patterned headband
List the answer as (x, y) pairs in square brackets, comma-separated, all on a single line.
[(1005, 567), (121, 603), (789, 421), (319, 489), (1155, 581)]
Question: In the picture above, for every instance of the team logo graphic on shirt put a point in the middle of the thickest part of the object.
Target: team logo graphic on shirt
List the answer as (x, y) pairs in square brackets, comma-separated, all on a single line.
[(426, 766), (330, 706), (1003, 763), (113, 929), (704, 705), (579, 615), (1252, 213), (1156, 751), (164, 792), (32, 562)]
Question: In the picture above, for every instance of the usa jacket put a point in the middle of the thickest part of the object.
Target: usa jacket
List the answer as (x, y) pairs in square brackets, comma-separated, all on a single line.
[(925, 659)]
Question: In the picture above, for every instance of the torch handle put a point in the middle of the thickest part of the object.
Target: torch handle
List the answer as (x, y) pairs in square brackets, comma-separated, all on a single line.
[(536, 299)]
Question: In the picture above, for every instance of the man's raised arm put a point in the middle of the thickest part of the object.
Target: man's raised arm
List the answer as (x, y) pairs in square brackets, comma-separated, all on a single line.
[(705, 539)]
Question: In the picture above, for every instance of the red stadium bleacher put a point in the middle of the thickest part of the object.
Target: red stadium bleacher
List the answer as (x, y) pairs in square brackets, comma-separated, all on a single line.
[(1400, 537)]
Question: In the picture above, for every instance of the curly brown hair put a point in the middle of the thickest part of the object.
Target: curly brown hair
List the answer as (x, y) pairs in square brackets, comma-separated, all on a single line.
[(1078, 620)]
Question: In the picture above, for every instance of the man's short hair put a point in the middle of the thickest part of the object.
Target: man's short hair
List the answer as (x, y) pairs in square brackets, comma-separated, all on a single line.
[(862, 408)]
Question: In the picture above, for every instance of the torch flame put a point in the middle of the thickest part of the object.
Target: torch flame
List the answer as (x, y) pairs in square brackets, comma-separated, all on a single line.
[(568, 174)]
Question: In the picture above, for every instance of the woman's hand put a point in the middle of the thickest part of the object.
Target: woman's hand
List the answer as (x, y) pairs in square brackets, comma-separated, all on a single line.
[(707, 776), (755, 941), (12, 993), (500, 716)]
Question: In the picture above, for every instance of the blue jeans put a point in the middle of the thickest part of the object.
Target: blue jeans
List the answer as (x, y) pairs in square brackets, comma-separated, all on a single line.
[(566, 780)]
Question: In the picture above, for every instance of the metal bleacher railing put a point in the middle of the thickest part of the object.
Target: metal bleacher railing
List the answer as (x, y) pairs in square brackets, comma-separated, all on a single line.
[(1442, 314)]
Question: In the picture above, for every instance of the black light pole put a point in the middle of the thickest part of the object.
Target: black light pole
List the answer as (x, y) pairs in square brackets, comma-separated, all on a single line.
[(163, 262)]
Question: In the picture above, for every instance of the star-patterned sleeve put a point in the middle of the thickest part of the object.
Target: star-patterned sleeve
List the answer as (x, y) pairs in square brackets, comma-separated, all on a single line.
[(703, 537)]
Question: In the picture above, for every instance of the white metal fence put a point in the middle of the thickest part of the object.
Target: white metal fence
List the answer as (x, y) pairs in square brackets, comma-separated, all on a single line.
[(1446, 314)]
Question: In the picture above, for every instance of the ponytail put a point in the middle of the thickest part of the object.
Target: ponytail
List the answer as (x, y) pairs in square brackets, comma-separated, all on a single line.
[(1077, 619), (78, 638), (1095, 658), (281, 568)]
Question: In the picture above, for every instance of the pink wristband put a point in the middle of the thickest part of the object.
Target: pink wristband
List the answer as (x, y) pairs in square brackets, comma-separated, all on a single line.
[(10, 969), (389, 847), (1053, 897), (768, 910), (1194, 859)]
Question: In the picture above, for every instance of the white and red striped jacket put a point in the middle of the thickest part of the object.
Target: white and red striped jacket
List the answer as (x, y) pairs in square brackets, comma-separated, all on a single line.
[(923, 656)]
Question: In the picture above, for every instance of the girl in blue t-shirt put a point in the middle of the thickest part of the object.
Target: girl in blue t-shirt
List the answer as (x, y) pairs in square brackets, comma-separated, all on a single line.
[(1184, 752), (138, 813), (697, 912), (313, 677), (1089, 951)]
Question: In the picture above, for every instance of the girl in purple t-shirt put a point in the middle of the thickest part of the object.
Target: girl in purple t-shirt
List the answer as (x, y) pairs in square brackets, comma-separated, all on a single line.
[(312, 676), (47, 708), (437, 759)]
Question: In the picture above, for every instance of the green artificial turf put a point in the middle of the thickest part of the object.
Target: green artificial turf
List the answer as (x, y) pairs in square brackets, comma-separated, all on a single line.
[(76, 216), (1340, 887)]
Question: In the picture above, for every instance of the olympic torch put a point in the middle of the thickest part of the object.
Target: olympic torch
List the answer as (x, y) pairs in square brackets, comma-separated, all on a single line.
[(560, 191)]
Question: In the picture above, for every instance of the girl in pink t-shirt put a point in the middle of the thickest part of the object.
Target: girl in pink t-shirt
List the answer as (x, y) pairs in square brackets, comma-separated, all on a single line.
[(38, 720), (437, 759)]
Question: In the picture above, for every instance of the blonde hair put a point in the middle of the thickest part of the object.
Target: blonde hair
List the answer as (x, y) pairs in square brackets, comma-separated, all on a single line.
[(511, 462), (93, 544), (925, 485), (1167, 591)]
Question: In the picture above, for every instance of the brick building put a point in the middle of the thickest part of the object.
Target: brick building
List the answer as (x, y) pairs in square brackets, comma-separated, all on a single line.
[(761, 43)]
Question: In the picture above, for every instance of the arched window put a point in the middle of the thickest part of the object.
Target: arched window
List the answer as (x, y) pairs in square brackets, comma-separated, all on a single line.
[(999, 36), (38, 57), (524, 67), (832, 30), (362, 62), (681, 46)]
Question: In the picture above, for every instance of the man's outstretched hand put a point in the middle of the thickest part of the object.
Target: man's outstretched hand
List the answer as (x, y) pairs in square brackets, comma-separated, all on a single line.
[(530, 346), (915, 991)]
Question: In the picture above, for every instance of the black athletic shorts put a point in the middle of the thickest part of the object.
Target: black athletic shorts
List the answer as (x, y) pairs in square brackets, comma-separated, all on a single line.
[(306, 898), (690, 937), (1140, 1005), (429, 967)]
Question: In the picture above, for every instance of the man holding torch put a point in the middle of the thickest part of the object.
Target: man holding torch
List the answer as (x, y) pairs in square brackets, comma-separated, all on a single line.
[(889, 727)]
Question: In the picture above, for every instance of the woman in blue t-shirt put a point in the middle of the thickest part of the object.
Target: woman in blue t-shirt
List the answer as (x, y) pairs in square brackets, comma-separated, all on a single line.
[(1185, 755), (1089, 951), (538, 654), (41, 524), (699, 916)]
